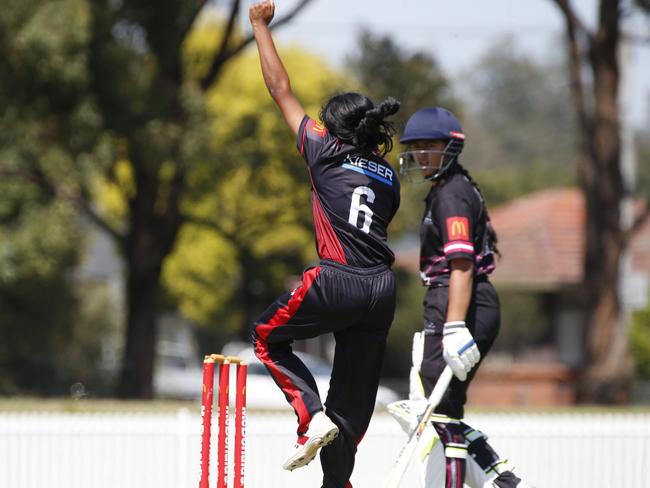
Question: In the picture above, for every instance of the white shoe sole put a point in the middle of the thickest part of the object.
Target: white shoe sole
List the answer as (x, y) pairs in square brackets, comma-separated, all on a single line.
[(308, 451)]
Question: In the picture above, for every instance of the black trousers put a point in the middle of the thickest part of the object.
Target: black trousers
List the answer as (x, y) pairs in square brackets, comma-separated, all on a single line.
[(483, 321), (357, 305)]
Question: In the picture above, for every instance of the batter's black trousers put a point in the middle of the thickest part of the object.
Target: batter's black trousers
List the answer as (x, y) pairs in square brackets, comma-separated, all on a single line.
[(357, 305), (482, 320)]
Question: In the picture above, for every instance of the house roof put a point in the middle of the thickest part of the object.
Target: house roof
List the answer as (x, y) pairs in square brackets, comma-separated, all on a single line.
[(640, 248), (541, 240)]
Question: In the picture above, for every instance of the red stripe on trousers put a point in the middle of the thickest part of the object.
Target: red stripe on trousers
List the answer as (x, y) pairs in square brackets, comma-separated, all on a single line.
[(280, 318)]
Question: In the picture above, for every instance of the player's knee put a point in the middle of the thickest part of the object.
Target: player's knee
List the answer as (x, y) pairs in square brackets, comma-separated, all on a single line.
[(452, 436), (456, 450), (479, 448)]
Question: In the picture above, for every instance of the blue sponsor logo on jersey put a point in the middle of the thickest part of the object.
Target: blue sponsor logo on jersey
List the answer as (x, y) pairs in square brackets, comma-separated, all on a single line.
[(370, 168)]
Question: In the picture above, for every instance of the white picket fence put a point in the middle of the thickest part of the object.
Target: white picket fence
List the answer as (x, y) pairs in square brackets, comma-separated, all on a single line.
[(120, 450)]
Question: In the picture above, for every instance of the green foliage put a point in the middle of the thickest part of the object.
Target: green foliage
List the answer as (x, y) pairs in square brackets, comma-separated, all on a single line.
[(84, 96), (524, 323), (49, 130), (643, 165), (500, 185), (644, 4), (521, 133), (382, 69), (640, 328), (640, 343), (105, 107), (37, 299), (85, 362), (523, 107), (385, 69), (51, 325)]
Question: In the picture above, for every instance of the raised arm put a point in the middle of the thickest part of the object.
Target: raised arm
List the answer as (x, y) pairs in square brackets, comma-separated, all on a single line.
[(275, 76)]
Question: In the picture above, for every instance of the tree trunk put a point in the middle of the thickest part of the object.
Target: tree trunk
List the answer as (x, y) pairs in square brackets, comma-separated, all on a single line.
[(607, 374), (154, 224), (143, 289)]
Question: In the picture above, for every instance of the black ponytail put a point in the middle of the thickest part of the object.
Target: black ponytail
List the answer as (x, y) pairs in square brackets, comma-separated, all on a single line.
[(353, 118), (491, 233)]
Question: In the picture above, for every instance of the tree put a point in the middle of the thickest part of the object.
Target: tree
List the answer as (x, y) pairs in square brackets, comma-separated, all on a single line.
[(37, 295), (643, 156), (381, 69), (594, 75), (103, 86), (520, 135), (640, 343), (253, 227)]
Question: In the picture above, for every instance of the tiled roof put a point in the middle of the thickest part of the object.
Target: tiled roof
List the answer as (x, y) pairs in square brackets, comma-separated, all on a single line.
[(541, 240), (640, 248)]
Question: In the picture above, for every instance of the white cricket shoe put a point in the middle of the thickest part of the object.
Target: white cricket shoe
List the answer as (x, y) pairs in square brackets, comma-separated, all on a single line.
[(321, 432)]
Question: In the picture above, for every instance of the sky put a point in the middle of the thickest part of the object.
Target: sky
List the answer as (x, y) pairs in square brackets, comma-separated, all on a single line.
[(455, 32)]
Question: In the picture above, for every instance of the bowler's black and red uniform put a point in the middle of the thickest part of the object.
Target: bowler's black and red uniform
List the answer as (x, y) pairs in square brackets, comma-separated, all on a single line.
[(351, 293)]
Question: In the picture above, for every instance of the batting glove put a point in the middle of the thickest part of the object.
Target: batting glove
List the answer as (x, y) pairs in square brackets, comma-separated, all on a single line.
[(459, 349)]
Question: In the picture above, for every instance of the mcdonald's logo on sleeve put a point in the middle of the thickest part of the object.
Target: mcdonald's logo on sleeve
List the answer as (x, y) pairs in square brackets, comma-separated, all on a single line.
[(317, 129), (458, 229)]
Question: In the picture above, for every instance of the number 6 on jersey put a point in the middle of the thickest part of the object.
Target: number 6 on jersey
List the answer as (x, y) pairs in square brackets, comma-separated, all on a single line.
[(356, 206)]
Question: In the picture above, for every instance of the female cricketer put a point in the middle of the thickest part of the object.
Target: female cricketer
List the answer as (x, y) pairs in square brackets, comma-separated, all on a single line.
[(355, 194), (461, 307)]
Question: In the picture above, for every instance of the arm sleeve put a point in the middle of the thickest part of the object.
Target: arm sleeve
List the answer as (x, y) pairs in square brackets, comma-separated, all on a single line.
[(454, 217), (311, 140)]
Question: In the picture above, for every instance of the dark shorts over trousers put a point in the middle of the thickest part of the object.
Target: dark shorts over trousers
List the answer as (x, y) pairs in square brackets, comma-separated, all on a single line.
[(483, 321)]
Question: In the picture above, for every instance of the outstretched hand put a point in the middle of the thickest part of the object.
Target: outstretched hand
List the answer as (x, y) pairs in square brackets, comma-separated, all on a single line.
[(273, 71), (262, 12)]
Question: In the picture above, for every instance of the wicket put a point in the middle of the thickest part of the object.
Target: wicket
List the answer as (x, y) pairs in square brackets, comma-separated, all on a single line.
[(222, 435)]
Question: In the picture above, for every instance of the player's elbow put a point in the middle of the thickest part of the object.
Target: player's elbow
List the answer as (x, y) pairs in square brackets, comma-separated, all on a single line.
[(462, 265), (279, 90)]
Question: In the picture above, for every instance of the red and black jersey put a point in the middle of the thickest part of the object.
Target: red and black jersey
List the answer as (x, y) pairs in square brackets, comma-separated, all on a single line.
[(354, 198), (454, 226)]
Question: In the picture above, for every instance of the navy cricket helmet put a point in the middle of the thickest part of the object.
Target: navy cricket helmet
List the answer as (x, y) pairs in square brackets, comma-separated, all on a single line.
[(431, 124)]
